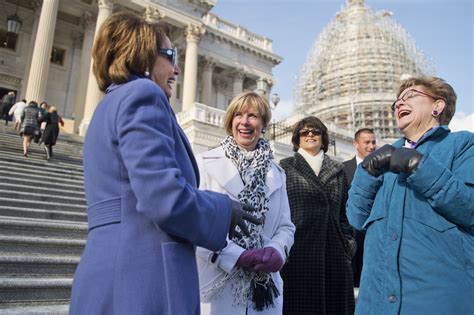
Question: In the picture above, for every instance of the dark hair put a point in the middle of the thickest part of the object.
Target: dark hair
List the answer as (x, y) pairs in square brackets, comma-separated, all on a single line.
[(439, 88), (126, 44), (362, 130), (312, 122)]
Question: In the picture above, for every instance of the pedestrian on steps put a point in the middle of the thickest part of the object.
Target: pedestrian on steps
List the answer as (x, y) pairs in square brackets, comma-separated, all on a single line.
[(29, 125), (50, 134)]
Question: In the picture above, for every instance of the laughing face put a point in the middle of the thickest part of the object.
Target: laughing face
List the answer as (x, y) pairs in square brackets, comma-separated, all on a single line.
[(164, 73), (247, 127), (414, 112)]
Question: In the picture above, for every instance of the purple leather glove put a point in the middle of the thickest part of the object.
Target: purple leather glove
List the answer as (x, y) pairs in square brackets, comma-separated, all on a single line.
[(247, 259), (270, 260)]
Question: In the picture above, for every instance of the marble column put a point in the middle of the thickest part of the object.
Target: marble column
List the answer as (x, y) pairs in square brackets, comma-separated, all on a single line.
[(74, 69), (94, 94), (38, 76), (36, 4), (87, 23), (238, 75), (193, 34), (207, 67)]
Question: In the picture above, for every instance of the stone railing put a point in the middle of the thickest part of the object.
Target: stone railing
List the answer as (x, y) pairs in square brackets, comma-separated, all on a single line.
[(202, 113), (213, 21)]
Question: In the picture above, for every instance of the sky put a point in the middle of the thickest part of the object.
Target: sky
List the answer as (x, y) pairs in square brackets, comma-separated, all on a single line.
[(442, 29)]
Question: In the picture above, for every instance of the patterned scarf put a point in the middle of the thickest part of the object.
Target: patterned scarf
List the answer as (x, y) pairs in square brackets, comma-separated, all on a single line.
[(253, 167)]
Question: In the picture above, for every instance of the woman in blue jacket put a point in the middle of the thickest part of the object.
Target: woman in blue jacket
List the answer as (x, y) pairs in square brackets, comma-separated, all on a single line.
[(415, 201), (145, 212)]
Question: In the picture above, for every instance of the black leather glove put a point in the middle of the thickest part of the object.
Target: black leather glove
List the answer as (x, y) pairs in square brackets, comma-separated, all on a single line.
[(405, 160), (378, 162), (240, 212)]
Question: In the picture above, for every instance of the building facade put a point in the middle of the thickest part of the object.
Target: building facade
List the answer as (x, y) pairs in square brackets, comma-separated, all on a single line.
[(50, 58)]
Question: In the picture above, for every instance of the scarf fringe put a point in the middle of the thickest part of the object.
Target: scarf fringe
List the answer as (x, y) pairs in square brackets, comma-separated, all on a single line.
[(262, 295)]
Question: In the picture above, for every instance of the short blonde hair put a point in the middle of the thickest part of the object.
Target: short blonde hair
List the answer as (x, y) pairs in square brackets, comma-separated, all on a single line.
[(126, 44), (438, 88), (53, 109), (244, 99)]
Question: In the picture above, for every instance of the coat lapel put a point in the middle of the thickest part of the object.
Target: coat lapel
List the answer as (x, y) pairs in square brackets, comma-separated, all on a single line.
[(222, 170)]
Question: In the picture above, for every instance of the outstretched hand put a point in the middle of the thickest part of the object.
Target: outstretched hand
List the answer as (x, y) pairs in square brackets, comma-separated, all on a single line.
[(240, 214)]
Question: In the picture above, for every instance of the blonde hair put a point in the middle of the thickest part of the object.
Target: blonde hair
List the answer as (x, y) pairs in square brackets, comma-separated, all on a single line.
[(247, 99), (126, 44), (53, 109), (438, 88)]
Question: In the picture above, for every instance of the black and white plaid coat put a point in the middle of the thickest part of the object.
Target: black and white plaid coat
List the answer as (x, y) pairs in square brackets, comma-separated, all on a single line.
[(318, 275)]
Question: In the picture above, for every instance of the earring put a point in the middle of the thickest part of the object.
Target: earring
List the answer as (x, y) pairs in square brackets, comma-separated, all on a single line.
[(434, 113), (147, 73), (264, 130)]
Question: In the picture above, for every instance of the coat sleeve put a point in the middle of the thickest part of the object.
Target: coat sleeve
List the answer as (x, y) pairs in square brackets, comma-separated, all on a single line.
[(145, 130), (228, 256), (346, 228), (449, 191), (283, 238), (361, 197)]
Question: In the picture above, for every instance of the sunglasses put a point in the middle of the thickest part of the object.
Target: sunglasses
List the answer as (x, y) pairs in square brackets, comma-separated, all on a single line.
[(306, 131), (170, 53)]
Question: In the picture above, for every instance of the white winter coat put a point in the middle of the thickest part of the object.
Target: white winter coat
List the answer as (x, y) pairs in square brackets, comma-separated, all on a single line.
[(219, 174)]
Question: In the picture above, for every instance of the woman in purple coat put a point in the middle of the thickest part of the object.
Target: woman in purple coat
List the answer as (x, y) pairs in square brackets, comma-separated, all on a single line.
[(145, 212)]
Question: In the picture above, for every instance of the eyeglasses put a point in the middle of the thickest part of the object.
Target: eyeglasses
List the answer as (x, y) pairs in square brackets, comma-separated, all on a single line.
[(171, 54), (306, 131), (410, 94)]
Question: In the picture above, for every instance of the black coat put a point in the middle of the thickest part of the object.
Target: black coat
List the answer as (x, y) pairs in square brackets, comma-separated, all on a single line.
[(51, 131), (350, 167), (318, 275)]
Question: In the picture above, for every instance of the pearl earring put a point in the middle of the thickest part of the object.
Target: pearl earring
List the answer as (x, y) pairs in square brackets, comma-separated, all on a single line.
[(147, 73), (264, 130)]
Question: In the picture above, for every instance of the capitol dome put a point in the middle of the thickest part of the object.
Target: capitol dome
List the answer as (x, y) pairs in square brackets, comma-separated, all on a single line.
[(354, 68)]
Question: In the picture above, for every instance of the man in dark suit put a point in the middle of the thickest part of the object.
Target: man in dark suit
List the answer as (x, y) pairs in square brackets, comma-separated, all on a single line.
[(365, 143)]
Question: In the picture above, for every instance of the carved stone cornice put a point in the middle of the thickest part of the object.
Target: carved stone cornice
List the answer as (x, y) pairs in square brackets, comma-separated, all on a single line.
[(153, 14), (106, 4), (88, 20), (10, 79), (238, 74), (208, 63), (193, 33)]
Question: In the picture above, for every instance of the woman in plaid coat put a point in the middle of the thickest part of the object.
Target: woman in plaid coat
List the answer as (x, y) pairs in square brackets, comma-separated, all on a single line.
[(318, 276)]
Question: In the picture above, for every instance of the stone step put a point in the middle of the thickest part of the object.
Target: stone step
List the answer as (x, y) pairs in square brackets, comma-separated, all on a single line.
[(47, 198), (51, 168), (41, 183), (21, 265), (34, 177), (41, 190), (36, 205), (37, 308), (23, 212), (36, 152), (42, 228), (31, 290), (40, 171), (40, 245)]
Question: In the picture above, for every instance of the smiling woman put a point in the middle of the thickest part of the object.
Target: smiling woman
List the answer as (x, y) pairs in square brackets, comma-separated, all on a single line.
[(244, 278), (318, 276), (422, 188)]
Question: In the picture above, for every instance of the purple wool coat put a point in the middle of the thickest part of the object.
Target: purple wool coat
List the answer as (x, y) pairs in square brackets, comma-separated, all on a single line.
[(145, 213)]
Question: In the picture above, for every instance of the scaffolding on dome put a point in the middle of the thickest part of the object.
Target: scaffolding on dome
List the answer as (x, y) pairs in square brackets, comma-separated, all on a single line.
[(353, 70)]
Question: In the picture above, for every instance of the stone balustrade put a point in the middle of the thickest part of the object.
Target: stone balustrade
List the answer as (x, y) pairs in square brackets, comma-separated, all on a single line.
[(202, 113), (236, 31)]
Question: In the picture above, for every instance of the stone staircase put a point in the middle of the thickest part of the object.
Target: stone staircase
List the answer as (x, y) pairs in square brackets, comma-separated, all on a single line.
[(43, 224)]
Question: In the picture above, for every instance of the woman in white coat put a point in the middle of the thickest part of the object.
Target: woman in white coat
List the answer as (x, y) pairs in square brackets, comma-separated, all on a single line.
[(244, 278)]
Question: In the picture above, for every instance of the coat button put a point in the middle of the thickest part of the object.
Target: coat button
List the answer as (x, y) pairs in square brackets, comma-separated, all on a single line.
[(392, 298), (394, 236)]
